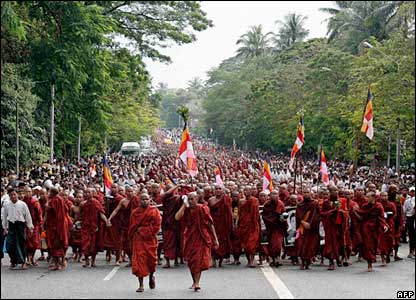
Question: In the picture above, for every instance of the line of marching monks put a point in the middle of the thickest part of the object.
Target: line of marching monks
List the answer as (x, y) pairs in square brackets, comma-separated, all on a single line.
[(201, 224)]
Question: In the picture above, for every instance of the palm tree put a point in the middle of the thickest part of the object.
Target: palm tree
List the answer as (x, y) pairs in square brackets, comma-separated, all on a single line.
[(254, 43), (352, 22), (291, 31)]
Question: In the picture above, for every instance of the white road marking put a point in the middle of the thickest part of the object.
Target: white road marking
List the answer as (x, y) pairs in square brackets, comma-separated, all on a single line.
[(281, 289), (112, 273)]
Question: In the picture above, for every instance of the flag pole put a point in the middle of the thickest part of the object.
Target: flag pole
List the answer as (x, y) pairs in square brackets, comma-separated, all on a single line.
[(319, 170), (301, 169), (296, 167)]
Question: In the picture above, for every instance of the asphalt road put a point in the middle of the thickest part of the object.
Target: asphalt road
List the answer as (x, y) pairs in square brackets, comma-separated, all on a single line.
[(106, 281)]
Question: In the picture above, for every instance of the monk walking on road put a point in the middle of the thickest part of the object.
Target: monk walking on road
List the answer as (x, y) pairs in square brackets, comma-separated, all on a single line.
[(198, 236), (145, 222)]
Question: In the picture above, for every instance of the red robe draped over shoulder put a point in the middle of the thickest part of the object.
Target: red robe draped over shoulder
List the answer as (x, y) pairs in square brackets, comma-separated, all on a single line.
[(57, 225), (170, 227), (249, 225), (335, 222), (90, 229), (276, 229), (373, 220), (33, 241), (307, 243), (144, 225), (221, 213), (197, 239), (386, 242), (112, 234)]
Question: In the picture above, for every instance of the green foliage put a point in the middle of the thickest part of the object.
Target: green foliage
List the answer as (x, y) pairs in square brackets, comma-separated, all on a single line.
[(254, 43), (72, 46), (291, 31), (16, 92)]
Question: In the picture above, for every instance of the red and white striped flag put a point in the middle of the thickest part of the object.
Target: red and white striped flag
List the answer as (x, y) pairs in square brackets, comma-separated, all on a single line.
[(323, 168), (186, 153), (218, 179), (367, 124), (267, 178), (300, 140)]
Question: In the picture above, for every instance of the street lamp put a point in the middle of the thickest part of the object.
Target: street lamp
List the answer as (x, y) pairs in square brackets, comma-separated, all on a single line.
[(368, 45), (398, 147), (326, 69)]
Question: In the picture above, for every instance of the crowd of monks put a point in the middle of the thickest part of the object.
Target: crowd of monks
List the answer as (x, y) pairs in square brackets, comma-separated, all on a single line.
[(155, 210)]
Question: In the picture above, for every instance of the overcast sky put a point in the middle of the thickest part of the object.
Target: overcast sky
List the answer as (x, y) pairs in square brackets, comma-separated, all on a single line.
[(231, 19)]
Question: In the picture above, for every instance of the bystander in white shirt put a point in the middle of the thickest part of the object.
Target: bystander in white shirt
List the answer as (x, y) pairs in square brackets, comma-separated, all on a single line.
[(16, 212)]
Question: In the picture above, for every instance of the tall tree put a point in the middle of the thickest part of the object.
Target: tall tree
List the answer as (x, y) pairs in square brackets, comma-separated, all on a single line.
[(352, 22), (291, 31), (254, 42)]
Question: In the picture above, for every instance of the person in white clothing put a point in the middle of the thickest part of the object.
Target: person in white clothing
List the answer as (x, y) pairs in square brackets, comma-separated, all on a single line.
[(16, 217)]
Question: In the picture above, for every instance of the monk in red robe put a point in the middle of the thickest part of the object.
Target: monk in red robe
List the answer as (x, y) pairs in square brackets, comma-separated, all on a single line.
[(57, 224), (198, 237), (359, 197), (221, 213), (398, 219), (33, 237), (373, 222), (334, 220), (145, 223), (235, 239), (75, 232), (249, 225), (170, 227), (353, 238), (307, 225), (386, 242), (112, 235), (284, 194), (276, 226), (124, 210), (92, 211)]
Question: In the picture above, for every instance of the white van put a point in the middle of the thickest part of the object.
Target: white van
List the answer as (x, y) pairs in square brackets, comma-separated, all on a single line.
[(130, 148)]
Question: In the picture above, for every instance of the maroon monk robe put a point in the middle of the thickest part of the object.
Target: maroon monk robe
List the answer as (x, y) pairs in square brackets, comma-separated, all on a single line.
[(359, 200), (334, 221), (112, 234), (197, 238), (57, 226), (124, 222), (307, 243), (90, 229), (249, 225), (284, 196), (33, 241), (386, 242), (373, 221), (170, 227), (222, 216), (144, 226), (398, 221), (235, 239), (275, 228)]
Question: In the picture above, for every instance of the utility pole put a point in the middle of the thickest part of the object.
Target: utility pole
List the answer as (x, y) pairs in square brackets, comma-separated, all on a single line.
[(52, 121), (79, 141), (17, 140), (389, 149), (398, 148)]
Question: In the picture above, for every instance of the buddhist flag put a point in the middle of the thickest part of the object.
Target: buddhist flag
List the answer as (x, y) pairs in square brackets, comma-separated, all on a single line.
[(267, 178), (323, 168), (300, 140), (186, 153), (218, 179), (108, 179), (367, 124)]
